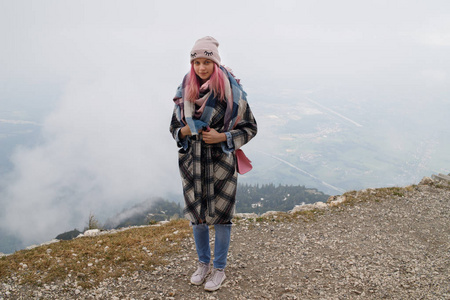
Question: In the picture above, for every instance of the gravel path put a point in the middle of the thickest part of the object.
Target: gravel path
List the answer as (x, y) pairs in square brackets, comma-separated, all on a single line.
[(396, 248)]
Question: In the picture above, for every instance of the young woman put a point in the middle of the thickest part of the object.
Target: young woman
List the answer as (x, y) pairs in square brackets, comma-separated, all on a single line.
[(210, 121)]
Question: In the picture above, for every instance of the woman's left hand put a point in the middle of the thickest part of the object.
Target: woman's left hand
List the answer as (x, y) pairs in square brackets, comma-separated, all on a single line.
[(213, 137)]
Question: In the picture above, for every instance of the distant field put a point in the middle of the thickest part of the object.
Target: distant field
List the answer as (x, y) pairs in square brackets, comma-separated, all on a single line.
[(390, 148)]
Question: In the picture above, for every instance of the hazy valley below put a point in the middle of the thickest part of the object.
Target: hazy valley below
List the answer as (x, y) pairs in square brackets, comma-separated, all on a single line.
[(347, 144), (318, 140)]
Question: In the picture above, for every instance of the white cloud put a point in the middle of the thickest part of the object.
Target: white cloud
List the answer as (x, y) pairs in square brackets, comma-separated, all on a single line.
[(435, 76), (107, 145), (436, 39)]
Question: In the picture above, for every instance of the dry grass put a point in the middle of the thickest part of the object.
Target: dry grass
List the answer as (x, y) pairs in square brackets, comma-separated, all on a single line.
[(308, 215), (93, 259), (379, 194)]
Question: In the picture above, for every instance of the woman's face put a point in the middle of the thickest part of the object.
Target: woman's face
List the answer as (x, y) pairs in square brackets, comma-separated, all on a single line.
[(204, 68)]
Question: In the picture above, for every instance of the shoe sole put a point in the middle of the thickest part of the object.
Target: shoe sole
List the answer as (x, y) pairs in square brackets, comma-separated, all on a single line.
[(200, 282), (197, 283)]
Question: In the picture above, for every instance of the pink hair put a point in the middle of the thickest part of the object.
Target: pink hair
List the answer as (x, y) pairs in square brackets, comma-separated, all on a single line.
[(216, 84)]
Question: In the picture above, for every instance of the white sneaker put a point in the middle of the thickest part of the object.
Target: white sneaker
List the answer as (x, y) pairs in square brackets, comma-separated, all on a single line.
[(215, 279), (200, 275)]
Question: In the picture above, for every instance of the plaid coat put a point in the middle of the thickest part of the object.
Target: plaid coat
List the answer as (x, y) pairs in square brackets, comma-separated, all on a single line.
[(207, 172)]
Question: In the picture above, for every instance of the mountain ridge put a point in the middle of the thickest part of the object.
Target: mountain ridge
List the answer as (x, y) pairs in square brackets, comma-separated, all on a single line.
[(374, 243)]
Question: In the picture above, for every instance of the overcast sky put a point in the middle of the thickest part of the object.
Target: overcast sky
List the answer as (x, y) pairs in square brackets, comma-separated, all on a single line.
[(302, 42), (99, 76)]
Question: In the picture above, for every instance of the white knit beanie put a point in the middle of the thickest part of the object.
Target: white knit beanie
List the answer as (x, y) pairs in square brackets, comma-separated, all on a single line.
[(206, 47)]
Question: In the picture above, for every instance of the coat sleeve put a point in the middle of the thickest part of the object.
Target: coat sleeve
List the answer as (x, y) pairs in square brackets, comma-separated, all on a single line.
[(174, 129), (244, 131)]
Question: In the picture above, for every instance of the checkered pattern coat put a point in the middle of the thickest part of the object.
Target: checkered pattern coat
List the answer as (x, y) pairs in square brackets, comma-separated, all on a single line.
[(209, 174)]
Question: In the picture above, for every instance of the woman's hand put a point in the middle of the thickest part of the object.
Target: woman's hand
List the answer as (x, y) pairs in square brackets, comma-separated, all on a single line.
[(184, 131), (213, 137)]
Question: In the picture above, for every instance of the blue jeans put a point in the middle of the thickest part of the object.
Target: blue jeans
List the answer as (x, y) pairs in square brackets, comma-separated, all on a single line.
[(221, 245)]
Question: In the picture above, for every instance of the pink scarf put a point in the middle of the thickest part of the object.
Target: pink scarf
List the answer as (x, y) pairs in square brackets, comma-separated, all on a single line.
[(200, 103)]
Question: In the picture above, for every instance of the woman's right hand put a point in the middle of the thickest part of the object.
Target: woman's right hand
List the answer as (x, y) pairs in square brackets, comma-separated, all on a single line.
[(184, 131)]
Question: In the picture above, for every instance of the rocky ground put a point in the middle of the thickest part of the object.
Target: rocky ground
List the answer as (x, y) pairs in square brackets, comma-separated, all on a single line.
[(393, 248)]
